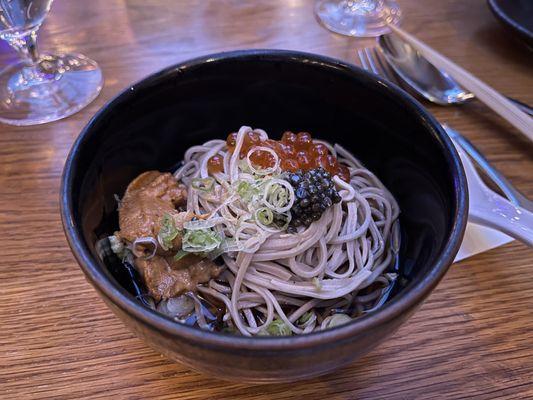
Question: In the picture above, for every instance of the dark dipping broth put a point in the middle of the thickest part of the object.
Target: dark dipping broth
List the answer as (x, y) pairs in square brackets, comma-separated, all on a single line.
[(212, 309)]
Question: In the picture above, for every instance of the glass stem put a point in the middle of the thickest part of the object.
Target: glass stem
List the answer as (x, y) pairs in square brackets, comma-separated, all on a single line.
[(31, 48), (38, 70), (26, 47)]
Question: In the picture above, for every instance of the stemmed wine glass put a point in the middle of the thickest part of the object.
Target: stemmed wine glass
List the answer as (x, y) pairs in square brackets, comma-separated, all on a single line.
[(41, 88), (362, 18)]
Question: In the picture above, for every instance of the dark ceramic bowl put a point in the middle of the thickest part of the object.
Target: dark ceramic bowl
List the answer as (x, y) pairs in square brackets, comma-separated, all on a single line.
[(151, 124)]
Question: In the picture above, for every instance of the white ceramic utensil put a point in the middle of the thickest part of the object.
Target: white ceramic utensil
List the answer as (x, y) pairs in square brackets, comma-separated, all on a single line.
[(492, 210)]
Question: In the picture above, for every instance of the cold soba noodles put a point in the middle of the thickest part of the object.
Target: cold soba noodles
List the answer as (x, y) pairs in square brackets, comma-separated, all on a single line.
[(260, 237)]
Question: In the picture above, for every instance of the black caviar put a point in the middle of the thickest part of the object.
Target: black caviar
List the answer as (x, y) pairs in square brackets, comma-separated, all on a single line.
[(315, 193)]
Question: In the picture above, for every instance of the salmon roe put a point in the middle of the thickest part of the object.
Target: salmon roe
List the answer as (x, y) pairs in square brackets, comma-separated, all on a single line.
[(215, 164), (231, 141), (262, 159), (295, 151)]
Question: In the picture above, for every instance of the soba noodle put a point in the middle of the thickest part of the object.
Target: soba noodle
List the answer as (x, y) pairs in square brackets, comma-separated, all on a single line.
[(344, 261)]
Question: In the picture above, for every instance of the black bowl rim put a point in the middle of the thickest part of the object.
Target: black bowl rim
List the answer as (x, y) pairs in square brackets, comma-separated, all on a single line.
[(401, 304), (525, 34)]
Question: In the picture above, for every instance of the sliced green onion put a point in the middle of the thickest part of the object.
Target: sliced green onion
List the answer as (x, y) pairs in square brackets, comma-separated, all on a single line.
[(337, 320), (304, 318), (203, 184), (200, 240), (278, 195), (271, 221), (264, 215), (139, 247), (282, 221), (180, 254), (227, 245), (246, 190), (279, 328), (167, 232)]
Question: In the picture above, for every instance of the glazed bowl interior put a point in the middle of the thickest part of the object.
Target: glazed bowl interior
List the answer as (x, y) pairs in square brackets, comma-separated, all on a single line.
[(154, 122)]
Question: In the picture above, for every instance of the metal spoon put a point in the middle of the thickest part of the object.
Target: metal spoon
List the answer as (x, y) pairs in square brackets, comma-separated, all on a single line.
[(423, 77), (373, 61)]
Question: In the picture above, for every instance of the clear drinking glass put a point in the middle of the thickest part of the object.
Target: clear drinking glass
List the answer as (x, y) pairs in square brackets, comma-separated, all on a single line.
[(361, 18), (41, 87)]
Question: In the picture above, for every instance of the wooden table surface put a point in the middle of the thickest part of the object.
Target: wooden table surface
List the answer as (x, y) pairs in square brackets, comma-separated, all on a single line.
[(472, 338)]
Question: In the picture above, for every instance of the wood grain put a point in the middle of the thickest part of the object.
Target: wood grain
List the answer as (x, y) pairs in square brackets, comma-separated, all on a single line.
[(473, 337)]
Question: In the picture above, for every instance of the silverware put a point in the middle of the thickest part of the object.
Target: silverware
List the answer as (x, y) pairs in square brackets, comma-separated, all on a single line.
[(371, 62), (421, 76), (415, 71), (492, 173), (488, 208), (493, 99)]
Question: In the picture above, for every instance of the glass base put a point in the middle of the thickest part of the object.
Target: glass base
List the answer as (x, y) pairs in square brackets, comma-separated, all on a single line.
[(360, 18), (64, 85)]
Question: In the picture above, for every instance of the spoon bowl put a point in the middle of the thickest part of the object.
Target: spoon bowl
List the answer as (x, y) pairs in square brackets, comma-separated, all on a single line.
[(419, 74), (421, 77)]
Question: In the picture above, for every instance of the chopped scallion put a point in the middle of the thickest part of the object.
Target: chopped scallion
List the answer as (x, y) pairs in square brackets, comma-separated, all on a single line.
[(180, 254), (264, 215), (167, 232), (200, 240), (246, 190), (304, 318), (337, 320), (279, 328)]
